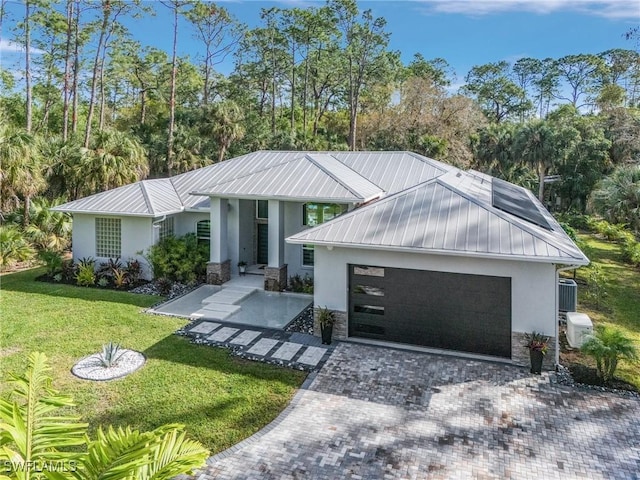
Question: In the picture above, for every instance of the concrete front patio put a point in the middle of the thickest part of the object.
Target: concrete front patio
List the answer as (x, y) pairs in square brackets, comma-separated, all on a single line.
[(375, 412), (241, 300)]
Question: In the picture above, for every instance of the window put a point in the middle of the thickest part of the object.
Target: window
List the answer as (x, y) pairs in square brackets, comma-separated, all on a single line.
[(370, 309), (317, 213), (166, 228), (108, 239), (203, 231), (262, 209), (368, 271), (369, 290), (307, 255)]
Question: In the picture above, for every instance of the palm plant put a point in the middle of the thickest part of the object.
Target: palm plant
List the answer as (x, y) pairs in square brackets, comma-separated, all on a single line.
[(21, 175), (48, 230), (13, 246), (617, 197), (31, 435), (608, 345)]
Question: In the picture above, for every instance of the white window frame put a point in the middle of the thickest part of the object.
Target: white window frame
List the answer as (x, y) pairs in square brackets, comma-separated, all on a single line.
[(108, 237), (200, 237)]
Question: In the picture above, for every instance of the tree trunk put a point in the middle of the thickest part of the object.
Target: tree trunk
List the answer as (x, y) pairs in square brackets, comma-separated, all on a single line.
[(541, 175), (293, 88), (106, 10), (172, 98), (102, 99), (76, 70), (27, 62), (67, 72)]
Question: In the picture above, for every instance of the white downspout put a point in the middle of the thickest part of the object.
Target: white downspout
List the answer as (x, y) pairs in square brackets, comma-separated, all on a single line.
[(557, 310)]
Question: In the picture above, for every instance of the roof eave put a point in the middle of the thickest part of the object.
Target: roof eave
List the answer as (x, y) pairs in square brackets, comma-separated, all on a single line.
[(490, 256), (116, 214)]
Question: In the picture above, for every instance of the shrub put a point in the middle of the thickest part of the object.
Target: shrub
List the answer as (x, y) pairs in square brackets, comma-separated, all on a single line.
[(52, 261), (110, 355), (596, 282), (576, 220), (120, 277), (300, 284), (179, 259), (86, 275), (608, 345), (570, 231), (631, 252), (68, 271), (134, 270), (14, 247)]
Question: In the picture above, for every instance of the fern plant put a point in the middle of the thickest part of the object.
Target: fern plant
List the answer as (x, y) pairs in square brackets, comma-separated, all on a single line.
[(32, 437)]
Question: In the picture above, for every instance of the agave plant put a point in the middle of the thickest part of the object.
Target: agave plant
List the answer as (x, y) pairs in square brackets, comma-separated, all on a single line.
[(32, 437), (110, 355)]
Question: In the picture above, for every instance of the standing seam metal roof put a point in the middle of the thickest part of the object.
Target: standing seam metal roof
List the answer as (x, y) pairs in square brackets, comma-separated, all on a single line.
[(442, 216)]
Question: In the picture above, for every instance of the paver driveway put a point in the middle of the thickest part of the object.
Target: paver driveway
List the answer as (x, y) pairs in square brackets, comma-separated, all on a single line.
[(377, 413)]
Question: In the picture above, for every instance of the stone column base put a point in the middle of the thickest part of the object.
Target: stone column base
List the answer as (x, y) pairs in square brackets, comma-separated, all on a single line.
[(340, 330), (218, 273), (275, 278), (520, 354)]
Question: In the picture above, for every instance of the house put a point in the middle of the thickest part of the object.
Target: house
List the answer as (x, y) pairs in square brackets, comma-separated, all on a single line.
[(402, 247)]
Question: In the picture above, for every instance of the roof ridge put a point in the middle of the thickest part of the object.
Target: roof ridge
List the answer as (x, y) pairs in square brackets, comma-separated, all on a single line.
[(309, 156), (147, 197)]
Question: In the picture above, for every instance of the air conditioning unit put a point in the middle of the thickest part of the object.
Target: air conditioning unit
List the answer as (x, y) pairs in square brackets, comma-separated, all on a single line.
[(567, 295), (578, 325)]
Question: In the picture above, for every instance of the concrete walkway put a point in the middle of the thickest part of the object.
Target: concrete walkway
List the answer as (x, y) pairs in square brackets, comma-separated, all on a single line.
[(378, 413), (289, 349)]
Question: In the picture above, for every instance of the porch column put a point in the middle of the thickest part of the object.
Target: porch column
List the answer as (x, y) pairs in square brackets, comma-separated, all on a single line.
[(219, 266), (275, 274)]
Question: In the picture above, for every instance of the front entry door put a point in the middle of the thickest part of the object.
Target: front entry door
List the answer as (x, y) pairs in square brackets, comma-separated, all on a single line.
[(262, 254)]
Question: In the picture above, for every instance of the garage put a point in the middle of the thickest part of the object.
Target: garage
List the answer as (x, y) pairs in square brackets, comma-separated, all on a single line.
[(452, 311)]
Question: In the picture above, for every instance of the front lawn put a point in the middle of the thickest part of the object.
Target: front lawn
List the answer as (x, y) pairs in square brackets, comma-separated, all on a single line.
[(620, 305), (221, 399)]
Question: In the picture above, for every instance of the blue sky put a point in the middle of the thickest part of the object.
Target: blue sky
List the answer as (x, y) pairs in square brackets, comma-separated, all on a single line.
[(463, 32)]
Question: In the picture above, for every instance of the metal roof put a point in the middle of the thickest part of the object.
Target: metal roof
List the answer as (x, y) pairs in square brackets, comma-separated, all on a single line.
[(147, 198), (342, 176), (451, 214), (307, 177)]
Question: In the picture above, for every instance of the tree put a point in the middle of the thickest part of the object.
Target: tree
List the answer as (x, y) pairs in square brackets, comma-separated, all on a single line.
[(526, 72), (113, 160), (617, 196), (542, 146), (20, 170), (498, 96), (13, 248), (365, 44), (224, 124), (580, 73), (219, 33), (34, 433)]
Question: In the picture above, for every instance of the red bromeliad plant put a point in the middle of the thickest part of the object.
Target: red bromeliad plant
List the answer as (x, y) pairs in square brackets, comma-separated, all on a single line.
[(537, 342)]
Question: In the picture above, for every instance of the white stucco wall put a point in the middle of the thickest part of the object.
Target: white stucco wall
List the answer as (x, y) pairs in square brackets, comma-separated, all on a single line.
[(136, 234), (185, 222), (532, 284), (293, 253)]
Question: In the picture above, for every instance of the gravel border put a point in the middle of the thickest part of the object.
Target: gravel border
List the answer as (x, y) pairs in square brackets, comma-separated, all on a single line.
[(90, 368)]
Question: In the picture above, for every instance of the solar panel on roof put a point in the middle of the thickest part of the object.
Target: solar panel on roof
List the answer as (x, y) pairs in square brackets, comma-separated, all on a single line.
[(515, 200)]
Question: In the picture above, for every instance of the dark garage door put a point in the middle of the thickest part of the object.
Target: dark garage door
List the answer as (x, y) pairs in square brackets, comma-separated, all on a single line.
[(453, 311)]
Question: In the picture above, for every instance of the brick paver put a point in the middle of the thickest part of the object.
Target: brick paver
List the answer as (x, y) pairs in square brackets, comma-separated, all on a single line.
[(376, 413)]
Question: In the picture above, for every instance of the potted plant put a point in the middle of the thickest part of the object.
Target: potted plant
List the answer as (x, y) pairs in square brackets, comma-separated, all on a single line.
[(538, 344), (326, 318), (242, 266)]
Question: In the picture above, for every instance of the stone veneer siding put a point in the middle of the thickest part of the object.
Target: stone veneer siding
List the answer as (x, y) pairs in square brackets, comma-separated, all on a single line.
[(520, 354), (339, 328), (275, 278), (218, 273)]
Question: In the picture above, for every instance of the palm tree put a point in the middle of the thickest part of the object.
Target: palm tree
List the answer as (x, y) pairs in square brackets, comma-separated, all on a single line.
[(48, 230), (617, 197), (223, 121), (62, 160), (113, 159), (13, 247), (541, 146), (608, 345), (492, 149), (21, 175)]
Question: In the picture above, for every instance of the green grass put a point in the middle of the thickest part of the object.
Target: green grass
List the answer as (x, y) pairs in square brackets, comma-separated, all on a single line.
[(621, 305), (220, 399)]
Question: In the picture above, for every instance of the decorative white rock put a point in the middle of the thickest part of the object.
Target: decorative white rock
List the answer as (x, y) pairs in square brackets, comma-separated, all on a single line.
[(90, 367)]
